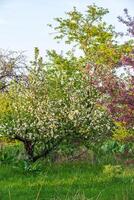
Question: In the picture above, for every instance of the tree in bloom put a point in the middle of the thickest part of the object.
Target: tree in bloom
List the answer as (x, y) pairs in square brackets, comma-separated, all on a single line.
[(53, 106), (119, 100), (121, 90)]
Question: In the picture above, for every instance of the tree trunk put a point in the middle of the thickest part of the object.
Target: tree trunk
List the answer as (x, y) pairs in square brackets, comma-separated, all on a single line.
[(29, 147)]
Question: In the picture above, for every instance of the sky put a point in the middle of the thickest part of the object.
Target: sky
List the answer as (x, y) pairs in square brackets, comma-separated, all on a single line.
[(23, 23)]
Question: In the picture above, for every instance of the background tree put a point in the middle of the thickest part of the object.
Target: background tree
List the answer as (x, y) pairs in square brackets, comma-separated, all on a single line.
[(121, 89), (12, 66)]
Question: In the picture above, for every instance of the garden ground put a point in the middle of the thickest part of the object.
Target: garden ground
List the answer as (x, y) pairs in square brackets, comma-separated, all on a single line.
[(72, 181)]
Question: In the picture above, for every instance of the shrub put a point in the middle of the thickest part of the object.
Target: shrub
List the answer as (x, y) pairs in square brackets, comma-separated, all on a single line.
[(112, 170)]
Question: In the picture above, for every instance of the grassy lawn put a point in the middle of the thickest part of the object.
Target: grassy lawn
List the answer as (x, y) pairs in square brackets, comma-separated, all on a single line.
[(65, 182)]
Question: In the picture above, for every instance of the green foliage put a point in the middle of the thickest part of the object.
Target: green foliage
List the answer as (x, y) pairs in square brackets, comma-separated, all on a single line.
[(92, 35)]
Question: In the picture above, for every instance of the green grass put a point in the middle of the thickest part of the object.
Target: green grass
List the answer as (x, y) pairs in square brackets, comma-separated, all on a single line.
[(76, 181)]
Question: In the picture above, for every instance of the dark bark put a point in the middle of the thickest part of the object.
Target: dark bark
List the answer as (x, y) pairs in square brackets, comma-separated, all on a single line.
[(29, 147)]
